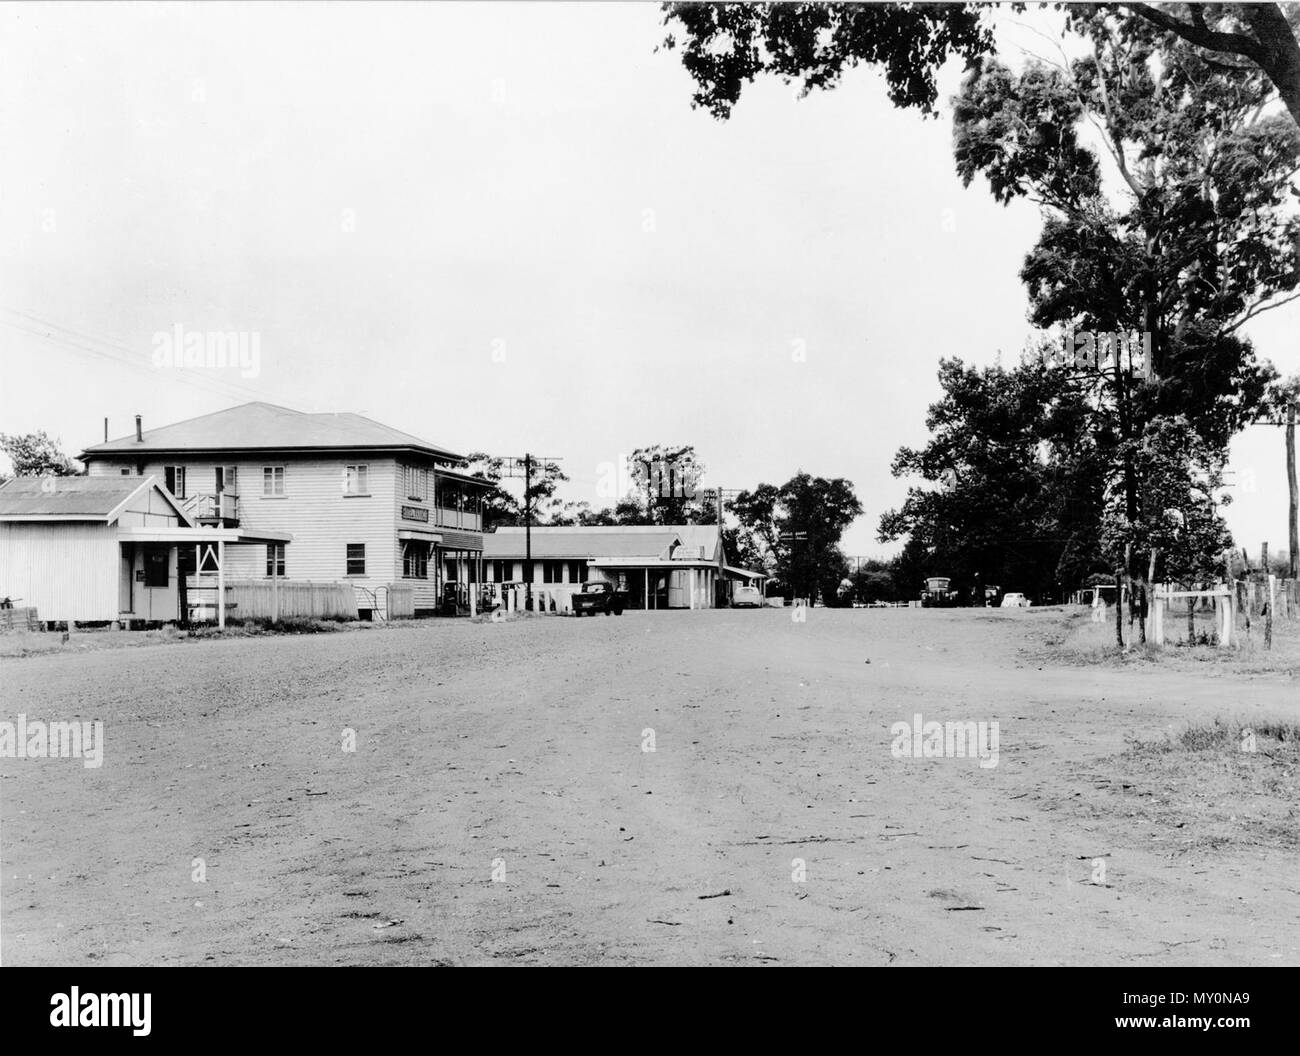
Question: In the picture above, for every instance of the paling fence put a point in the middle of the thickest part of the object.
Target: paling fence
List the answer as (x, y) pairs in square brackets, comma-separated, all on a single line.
[(26, 619), (252, 599), (551, 598)]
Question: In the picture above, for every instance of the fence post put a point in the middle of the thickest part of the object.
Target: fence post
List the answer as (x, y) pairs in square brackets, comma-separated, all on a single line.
[(1268, 616), (1119, 608)]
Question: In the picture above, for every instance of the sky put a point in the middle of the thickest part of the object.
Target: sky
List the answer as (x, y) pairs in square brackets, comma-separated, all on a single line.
[(502, 227)]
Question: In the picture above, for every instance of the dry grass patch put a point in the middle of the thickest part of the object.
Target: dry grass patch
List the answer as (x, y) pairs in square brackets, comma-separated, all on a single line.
[(1211, 786)]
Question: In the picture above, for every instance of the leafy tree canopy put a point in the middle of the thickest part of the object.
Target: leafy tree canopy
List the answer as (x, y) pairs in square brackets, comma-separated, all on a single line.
[(36, 455)]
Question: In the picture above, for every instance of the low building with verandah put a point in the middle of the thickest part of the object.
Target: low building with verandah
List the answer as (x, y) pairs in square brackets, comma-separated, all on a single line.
[(675, 566), (99, 550)]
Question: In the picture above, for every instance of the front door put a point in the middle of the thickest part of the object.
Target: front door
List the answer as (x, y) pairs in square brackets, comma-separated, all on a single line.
[(158, 598)]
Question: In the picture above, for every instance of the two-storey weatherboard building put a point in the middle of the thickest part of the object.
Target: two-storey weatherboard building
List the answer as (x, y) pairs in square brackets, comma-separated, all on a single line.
[(365, 504)]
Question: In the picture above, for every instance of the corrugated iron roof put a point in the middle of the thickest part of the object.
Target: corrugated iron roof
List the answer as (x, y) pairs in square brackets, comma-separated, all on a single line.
[(89, 497), (257, 426), (607, 540), (582, 542)]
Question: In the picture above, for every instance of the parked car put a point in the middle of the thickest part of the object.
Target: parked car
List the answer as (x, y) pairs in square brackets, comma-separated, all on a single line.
[(598, 596), (746, 597), (1013, 600)]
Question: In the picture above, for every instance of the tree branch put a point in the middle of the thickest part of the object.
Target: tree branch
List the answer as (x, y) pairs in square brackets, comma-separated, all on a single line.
[(1198, 33)]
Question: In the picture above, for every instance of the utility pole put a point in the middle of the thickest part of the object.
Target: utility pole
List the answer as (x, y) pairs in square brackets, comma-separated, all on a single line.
[(523, 467), (1294, 539), (722, 494), (528, 531)]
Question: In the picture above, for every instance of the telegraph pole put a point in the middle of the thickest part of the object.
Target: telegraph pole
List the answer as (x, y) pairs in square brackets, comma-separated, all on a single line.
[(722, 494), (523, 467), (1294, 539), (528, 531)]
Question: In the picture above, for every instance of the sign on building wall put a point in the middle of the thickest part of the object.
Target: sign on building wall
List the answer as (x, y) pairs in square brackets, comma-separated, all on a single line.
[(415, 513)]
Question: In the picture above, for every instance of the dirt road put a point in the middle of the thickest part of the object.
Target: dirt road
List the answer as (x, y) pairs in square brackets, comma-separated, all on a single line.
[(517, 750)]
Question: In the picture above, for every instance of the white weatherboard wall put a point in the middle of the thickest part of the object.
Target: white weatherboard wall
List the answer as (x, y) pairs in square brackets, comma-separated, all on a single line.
[(149, 510), (424, 592), (313, 508), (66, 571)]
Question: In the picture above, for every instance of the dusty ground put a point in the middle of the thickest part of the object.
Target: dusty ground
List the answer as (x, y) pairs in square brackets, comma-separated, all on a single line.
[(521, 745)]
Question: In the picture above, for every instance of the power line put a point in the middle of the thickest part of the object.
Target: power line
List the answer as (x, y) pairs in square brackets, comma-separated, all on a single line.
[(118, 353)]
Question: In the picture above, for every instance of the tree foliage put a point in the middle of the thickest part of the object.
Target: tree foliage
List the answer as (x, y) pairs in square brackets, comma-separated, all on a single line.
[(1013, 482), (1199, 237), (36, 455), (816, 507), (726, 46), (502, 507)]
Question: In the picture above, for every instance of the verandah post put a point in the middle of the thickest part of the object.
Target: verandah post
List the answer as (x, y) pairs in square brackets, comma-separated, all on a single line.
[(221, 584)]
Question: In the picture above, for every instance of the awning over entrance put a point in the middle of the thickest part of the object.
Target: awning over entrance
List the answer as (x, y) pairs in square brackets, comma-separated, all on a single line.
[(419, 535), (202, 534), (210, 542)]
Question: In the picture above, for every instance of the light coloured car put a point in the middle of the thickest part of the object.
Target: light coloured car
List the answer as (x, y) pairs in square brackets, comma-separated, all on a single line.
[(746, 597), (1013, 600)]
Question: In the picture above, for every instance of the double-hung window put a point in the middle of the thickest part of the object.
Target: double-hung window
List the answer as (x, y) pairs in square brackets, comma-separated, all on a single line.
[(415, 560), (274, 559), (417, 483), (355, 480), (356, 559)]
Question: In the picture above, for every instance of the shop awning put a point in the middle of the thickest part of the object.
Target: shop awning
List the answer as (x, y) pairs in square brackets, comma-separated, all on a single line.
[(200, 534), (422, 535), (464, 478), (743, 573)]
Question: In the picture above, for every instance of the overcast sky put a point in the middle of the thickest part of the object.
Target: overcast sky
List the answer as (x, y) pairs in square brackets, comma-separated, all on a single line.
[(501, 227)]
